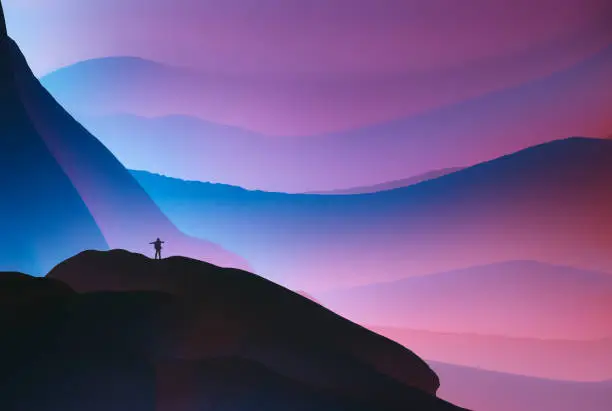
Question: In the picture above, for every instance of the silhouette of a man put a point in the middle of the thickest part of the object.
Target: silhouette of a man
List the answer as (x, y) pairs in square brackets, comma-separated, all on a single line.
[(158, 247)]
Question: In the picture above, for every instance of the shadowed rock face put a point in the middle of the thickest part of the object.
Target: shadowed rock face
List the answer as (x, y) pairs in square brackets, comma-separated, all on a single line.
[(226, 336), (42, 215), (3, 32), (18, 288), (61, 351), (63, 192)]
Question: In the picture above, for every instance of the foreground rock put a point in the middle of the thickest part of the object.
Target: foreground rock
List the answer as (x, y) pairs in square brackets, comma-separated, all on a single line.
[(128, 333)]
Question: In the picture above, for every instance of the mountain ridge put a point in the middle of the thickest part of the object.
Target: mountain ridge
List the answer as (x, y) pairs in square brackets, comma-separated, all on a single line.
[(530, 113), (560, 360), (60, 177), (468, 271), (507, 392), (536, 292), (390, 185), (35, 197), (504, 210)]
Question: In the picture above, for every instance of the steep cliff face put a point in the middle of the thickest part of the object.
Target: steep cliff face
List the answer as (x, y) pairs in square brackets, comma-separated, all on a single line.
[(42, 216), (3, 31), (62, 191)]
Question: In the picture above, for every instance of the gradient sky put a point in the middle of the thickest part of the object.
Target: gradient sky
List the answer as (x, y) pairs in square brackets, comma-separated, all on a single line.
[(359, 53), (318, 36)]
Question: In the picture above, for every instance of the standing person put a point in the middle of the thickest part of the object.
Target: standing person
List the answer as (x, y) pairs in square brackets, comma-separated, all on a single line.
[(158, 247)]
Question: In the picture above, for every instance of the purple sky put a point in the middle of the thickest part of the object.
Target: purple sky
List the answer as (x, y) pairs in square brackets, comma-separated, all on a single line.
[(291, 36), (376, 60)]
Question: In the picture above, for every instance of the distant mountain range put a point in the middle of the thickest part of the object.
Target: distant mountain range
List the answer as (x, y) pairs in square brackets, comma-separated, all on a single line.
[(62, 190), (569, 102), (568, 360), (507, 392), (548, 203), (392, 185), (514, 299)]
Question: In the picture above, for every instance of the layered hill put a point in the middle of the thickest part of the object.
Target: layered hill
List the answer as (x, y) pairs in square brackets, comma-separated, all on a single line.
[(129, 333), (62, 190), (514, 299), (547, 203), (570, 101), (392, 185), (565, 360), (507, 392)]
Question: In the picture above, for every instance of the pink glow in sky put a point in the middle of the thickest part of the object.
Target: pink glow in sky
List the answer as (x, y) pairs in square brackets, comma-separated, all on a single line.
[(318, 36), (326, 65)]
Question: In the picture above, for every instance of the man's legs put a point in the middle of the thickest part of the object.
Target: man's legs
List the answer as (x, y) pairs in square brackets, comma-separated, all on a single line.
[(157, 254)]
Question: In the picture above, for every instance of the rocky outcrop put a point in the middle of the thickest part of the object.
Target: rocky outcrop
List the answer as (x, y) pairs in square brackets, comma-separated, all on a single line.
[(232, 315)]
